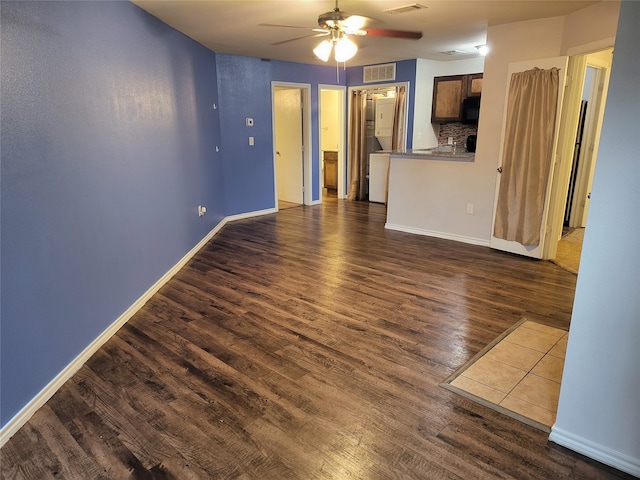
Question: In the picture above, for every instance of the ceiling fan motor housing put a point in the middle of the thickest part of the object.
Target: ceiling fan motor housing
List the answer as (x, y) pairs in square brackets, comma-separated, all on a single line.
[(332, 19)]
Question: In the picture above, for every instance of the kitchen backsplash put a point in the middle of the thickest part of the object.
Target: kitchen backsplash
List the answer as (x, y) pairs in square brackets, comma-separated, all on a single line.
[(458, 131)]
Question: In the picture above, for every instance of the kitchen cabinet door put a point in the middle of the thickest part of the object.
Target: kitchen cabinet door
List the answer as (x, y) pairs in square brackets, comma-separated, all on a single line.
[(448, 93)]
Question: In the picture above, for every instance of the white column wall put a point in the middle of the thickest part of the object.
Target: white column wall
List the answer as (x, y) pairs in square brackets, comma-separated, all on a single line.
[(599, 410)]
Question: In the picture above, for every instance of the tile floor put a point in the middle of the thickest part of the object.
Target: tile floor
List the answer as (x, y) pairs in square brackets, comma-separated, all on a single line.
[(521, 373)]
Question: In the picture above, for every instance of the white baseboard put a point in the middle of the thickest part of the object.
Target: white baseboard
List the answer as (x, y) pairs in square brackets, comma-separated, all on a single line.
[(23, 416), (242, 216), (594, 450), (431, 233)]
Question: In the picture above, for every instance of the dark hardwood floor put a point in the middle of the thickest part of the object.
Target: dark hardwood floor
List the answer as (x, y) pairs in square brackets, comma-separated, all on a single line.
[(307, 344)]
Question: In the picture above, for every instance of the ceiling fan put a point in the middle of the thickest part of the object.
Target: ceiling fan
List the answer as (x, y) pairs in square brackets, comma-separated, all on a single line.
[(337, 25)]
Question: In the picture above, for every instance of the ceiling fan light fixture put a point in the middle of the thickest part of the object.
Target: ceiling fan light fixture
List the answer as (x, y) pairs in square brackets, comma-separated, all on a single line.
[(345, 49), (323, 50)]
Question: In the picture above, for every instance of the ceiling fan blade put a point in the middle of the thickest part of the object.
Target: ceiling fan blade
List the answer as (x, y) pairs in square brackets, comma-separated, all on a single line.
[(300, 38), (354, 22), (381, 32)]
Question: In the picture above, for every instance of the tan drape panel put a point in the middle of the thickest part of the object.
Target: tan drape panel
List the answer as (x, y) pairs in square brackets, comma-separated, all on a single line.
[(398, 136), (357, 145), (526, 159)]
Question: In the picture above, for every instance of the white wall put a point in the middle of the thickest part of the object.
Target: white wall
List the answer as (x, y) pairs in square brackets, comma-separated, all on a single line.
[(599, 410), (425, 134), (330, 119), (600, 17)]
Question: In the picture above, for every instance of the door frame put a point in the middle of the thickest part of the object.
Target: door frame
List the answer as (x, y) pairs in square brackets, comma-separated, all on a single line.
[(305, 91), (367, 87), (568, 125), (593, 124), (342, 129)]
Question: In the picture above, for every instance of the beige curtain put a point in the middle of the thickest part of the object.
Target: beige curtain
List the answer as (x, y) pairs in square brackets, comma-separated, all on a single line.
[(527, 152), (398, 135), (357, 146), (398, 140)]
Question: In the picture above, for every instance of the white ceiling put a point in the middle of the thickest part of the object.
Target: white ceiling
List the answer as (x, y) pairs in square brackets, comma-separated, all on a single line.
[(233, 26)]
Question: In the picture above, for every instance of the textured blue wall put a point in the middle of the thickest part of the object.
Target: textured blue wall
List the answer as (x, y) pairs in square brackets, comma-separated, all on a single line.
[(245, 91), (108, 140), (108, 145)]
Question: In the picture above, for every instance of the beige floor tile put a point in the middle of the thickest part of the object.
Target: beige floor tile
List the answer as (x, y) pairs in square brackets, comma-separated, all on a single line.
[(560, 349), (539, 414), (495, 374), (538, 391), (533, 339), (556, 332), (479, 389), (549, 367), (514, 355)]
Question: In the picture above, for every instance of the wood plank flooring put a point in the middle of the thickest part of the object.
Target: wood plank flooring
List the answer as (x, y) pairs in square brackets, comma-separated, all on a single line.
[(307, 344)]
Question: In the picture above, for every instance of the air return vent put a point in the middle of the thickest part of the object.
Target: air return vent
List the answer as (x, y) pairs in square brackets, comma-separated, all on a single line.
[(379, 73), (405, 9)]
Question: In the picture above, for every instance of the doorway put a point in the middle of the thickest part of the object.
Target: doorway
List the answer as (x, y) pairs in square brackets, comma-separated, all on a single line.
[(291, 138), (332, 140), (366, 135), (582, 118)]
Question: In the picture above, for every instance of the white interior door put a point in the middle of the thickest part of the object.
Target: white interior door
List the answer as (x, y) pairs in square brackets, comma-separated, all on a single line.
[(508, 245), (288, 143)]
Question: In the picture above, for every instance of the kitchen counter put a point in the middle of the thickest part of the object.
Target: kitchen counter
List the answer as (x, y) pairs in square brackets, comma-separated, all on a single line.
[(438, 153), (433, 193)]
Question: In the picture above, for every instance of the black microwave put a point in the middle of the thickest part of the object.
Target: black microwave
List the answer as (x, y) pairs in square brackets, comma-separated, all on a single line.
[(471, 110)]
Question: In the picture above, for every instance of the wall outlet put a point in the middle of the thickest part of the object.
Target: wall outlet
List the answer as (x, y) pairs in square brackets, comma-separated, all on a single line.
[(201, 210), (469, 208), (450, 141)]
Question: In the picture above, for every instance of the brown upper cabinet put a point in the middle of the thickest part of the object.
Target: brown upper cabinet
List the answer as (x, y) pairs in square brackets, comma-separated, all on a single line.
[(448, 94)]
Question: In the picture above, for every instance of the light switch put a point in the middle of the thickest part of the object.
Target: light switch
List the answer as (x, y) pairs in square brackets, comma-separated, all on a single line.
[(251, 142)]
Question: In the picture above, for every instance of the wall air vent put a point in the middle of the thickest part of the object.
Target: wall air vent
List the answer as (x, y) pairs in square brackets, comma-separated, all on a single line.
[(379, 73), (407, 8)]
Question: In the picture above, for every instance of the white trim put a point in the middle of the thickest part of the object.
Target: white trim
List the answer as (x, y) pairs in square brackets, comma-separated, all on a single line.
[(431, 233), (305, 89), (592, 47), (242, 216), (596, 451), (23, 416), (342, 90)]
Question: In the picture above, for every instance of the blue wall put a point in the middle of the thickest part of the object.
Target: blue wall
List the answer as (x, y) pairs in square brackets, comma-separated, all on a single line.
[(108, 141), (245, 91)]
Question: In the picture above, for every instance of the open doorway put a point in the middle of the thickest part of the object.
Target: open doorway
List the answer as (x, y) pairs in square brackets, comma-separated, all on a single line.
[(589, 100), (332, 140), (377, 122), (291, 132)]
